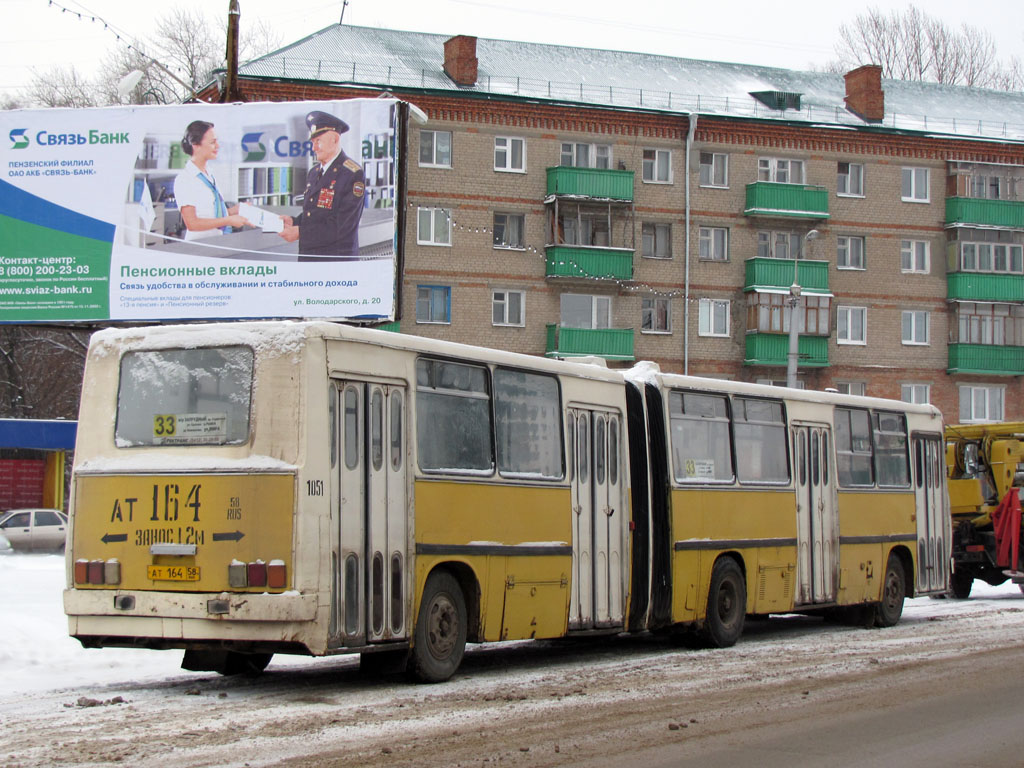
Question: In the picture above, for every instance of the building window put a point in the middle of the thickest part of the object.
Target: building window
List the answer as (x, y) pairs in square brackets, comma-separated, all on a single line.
[(851, 325), (508, 230), (657, 166), (988, 187), (858, 388), (915, 256), (583, 229), (714, 243), (980, 403), (991, 257), (433, 304), (585, 155), (436, 149), (509, 154), (850, 180), (915, 393), (655, 315), (915, 327), (769, 313), (780, 383), (714, 169), (656, 241), (713, 318), (434, 226), (850, 252), (985, 323), (780, 171), (915, 185), (585, 311), (508, 307), (780, 245)]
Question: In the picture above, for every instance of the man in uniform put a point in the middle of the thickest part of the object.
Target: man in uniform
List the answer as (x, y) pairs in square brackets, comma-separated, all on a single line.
[(333, 202)]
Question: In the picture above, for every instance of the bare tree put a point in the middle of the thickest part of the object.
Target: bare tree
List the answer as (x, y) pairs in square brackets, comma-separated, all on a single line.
[(62, 87), (911, 45), (41, 371)]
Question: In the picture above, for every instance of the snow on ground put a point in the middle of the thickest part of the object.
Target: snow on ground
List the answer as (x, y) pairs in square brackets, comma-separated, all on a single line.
[(37, 654)]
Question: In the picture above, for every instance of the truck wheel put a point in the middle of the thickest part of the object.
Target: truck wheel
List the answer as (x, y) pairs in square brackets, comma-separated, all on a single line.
[(727, 605), (440, 637), (894, 590), (960, 584)]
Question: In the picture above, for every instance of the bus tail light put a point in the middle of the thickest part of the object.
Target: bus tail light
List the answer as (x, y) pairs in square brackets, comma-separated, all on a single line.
[(81, 571), (95, 572), (276, 574), (257, 573), (112, 572), (98, 572), (237, 574)]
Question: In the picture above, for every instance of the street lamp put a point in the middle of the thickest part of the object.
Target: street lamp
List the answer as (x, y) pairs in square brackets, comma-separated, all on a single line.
[(794, 302)]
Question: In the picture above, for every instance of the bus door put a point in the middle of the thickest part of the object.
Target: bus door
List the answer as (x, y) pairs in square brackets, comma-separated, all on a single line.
[(371, 525), (929, 475), (817, 537), (595, 438)]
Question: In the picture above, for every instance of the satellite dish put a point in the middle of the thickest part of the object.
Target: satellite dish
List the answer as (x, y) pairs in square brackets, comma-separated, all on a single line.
[(128, 82)]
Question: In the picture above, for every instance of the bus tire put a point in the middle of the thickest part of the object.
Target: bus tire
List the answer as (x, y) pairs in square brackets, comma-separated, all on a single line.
[(440, 637), (960, 584), (727, 605), (248, 664), (894, 590)]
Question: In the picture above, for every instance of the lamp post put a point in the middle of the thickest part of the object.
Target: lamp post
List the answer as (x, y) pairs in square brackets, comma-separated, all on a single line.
[(794, 303)]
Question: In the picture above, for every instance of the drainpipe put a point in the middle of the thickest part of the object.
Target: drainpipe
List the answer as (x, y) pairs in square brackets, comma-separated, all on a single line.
[(686, 284)]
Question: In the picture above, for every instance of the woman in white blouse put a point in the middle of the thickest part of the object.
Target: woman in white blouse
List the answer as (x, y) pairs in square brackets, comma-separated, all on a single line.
[(202, 206)]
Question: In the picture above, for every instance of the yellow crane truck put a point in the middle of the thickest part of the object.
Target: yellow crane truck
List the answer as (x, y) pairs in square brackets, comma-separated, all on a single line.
[(984, 463)]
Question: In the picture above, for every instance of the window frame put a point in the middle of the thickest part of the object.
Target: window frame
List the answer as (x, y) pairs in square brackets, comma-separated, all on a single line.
[(914, 388), (433, 212), (593, 152), (509, 151), (848, 175), (649, 308), (849, 312), (909, 246), (706, 312), (724, 167), (657, 226), (521, 246), (845, 251), (435, 163), (988, 389), (769, 168), (504, 303), (849, 385), (653, 164), (914, 196), (915, 321), (707, 235), (447, 289)]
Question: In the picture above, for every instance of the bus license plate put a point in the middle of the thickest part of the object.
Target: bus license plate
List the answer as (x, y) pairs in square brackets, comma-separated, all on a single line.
[(172, 572)]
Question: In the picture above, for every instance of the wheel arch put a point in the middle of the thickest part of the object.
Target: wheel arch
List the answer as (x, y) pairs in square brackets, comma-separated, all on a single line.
[(903, 554), (468, 582)]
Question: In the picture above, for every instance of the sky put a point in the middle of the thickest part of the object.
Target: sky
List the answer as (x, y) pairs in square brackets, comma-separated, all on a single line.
[(50, 33)]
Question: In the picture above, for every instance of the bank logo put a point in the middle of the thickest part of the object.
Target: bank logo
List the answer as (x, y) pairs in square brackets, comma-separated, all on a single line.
[(252, 145), (18, 138)]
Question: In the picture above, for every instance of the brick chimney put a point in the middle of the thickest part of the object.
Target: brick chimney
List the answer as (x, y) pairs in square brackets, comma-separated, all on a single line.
[(460, 62), (864, 94)]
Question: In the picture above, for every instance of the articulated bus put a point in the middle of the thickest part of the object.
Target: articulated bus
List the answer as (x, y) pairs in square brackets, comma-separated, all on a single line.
[(246, 489)]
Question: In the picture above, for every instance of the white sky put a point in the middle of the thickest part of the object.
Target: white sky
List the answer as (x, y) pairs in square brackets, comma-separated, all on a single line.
[(797, 34)]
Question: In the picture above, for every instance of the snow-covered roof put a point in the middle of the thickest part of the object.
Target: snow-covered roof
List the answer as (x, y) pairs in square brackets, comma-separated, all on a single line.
[(391, 58)]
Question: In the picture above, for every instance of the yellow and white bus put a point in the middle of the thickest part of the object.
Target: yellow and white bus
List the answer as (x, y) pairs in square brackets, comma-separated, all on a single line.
[(246, 489)]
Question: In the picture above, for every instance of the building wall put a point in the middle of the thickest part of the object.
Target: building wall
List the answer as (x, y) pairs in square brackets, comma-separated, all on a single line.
[(473, 191)]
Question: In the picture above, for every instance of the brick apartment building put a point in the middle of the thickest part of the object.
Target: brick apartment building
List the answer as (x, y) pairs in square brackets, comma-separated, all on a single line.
[(565, 201)]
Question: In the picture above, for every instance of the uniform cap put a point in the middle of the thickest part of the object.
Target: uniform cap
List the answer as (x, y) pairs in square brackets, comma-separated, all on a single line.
[(319, 122)]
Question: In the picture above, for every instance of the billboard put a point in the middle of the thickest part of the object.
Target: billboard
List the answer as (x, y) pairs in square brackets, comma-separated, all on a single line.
[(199, 211)]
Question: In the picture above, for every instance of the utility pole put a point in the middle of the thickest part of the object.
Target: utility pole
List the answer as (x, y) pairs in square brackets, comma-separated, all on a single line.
[(231, 91)]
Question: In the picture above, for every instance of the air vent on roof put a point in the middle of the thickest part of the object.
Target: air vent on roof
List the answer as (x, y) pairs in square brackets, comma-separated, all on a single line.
[(778, 99)]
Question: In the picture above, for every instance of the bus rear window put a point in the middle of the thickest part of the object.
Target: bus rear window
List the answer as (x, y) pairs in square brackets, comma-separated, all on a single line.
[(184, 397)]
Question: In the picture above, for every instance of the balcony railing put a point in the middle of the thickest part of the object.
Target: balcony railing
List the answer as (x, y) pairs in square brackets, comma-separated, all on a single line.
[(762, 273), (773, 349), (609, 343), (986, 359), (986, 213), (596, 183), (766, 198), (587, 262), (984, 286)]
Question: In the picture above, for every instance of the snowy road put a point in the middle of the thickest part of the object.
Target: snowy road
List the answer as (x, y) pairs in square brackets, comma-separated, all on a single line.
[(529, 704)]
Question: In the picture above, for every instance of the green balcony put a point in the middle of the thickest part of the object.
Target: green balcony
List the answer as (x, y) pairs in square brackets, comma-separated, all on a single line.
[(773, 349), (595, 183), (986, 359), (603, 263), (609, 343), (985, 213), (764, 274), (766, 198), (984, 286)]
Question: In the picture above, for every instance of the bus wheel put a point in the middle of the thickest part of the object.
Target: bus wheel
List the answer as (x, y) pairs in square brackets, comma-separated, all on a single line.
[(894, 590), (960, 584), (440, 638), (727, 604)]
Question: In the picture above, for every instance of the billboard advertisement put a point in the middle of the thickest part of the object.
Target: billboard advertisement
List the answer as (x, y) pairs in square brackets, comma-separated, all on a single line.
[(199, 211)]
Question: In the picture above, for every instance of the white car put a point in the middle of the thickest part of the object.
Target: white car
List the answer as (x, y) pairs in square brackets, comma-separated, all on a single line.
[(35, 530)]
